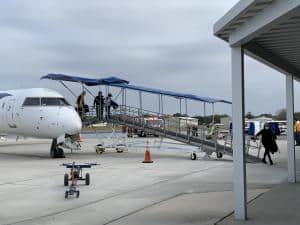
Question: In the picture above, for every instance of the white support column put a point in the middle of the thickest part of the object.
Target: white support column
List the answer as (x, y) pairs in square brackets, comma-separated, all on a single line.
[(238, 145), (290, 128)]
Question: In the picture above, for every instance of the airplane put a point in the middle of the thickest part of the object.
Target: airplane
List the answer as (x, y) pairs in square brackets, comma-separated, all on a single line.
[(39, 113)]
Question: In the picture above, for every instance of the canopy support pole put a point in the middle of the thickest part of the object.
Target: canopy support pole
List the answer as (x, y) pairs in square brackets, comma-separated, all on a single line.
[(82, 87), (69, 89), (117, 96), (180, 106), (123, 100), (106, 90), (162, 104), (290, 128), (123, 97), (238, 125), (141, 102), (213, 113), (186, 107), (159, 108), (125, 94), (86, 89)]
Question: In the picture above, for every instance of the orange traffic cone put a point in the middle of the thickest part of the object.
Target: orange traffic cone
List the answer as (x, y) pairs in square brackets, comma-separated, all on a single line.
[(147, 157)]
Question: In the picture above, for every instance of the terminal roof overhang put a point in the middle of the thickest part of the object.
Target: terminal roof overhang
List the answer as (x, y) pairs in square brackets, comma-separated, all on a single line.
[(269, 31)]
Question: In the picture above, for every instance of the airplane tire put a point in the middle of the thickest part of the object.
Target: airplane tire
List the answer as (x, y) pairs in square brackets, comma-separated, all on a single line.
[(66, 179), (193, 156), (57, 152), (99, 149), (119, 150), (52, 153), (77, 194), (87, 179), (53, 149), (219, 155), (60, 153)]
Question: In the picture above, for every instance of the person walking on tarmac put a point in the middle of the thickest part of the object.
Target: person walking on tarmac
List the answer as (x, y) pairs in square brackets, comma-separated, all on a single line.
[(80, 104), (99, 105), (108, 105), (297, 132), (268, 141)]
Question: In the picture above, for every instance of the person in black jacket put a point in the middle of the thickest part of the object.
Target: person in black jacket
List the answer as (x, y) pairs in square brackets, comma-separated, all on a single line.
[(99, 105), (268, 141)]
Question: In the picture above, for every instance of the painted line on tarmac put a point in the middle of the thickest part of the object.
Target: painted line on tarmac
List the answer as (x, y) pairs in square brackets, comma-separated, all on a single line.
[(143, 208), (170, 198)]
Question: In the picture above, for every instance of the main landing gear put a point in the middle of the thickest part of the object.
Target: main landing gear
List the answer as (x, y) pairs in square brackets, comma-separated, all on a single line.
[(56, 151)]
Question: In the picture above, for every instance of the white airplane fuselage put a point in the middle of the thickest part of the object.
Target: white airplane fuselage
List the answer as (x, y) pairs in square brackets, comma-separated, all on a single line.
[(37, 112)]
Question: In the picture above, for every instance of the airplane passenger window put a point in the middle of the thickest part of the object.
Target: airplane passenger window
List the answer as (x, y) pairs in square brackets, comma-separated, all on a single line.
[(54, 102), (31, 102)]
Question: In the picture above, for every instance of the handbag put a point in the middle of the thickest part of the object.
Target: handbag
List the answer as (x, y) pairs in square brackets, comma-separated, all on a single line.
[(274, 147), (86, 108)]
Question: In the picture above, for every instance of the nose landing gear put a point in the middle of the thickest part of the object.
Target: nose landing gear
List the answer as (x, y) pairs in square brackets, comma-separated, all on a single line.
[(55, 150)]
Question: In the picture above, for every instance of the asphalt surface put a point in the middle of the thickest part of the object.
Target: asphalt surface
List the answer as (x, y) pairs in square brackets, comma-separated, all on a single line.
[(172, 190)]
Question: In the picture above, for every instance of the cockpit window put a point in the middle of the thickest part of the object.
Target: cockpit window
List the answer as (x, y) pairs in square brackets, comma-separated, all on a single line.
[(54, 102), (32, 102)]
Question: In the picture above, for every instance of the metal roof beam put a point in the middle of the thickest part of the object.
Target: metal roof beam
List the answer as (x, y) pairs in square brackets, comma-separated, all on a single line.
[(232, 14), (279, 38), (274, 14), (259, 53), (279, 34), (282, 44)]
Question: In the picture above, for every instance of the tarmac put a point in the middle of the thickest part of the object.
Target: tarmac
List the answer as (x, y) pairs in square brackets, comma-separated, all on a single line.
[(172, 190)]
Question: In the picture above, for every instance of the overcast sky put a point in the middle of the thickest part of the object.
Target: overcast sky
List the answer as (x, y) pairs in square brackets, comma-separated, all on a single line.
[(165, 44)]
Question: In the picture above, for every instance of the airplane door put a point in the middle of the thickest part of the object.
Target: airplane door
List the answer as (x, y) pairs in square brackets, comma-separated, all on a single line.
[(11, 116), (3, 114)]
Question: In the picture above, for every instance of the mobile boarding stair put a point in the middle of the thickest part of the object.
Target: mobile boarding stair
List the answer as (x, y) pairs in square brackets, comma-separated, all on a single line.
[(134, 118)]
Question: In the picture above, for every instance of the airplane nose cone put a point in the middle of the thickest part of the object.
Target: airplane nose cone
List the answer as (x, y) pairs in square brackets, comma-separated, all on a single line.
[(77, 125), (72, 123)]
